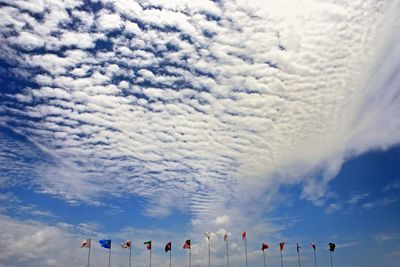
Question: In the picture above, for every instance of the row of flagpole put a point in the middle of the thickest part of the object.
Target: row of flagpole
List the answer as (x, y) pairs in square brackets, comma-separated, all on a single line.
[(106, 243)]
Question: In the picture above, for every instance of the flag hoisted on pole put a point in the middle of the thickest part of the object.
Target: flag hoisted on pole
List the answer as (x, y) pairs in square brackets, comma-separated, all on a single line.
[(208, 235), (244, 237), (168, 247), (106, 243), (186, 245), (332, 247), (264, 246), (148, 246), (227, 247), (128, 244), (87, 243), (298, 252), (281, 246), (314, 246)]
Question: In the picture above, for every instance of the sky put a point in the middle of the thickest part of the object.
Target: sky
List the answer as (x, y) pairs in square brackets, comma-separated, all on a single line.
[(162, 120)]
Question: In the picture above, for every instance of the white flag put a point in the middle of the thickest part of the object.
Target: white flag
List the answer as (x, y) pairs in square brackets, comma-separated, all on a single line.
[(86, 243), (208, 235), (126, 244)]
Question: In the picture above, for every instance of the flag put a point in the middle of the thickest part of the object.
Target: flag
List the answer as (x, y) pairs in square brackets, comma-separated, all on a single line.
[(244, 235), (298, 247), (332, 247), (281, 245), (126, 244), (186, 245), (168, 247), (105, 243), (225, 236), (314, 246), (148, 244), (86, 243), (264, 246), (208, 235)]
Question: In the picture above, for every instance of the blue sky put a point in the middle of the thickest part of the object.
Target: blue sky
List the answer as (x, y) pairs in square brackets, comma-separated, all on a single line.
[(161, 120)]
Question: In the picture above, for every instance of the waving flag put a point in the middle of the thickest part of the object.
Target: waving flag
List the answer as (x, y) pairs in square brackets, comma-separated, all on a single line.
[(126, 244), (332, 247), (86, 243), (168, 247), (244, 235), (225, 236), (298, 247), (148, 244), (105, 243), (208, 235), (282, 245), (314, 246), (264, 246), (186, 245)]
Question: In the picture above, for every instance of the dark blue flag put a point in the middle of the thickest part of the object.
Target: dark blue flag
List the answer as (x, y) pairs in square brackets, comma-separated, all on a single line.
[(105, 243)]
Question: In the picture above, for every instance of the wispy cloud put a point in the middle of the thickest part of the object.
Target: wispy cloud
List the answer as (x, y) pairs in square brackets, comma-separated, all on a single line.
[(208, 106), (380, 203)]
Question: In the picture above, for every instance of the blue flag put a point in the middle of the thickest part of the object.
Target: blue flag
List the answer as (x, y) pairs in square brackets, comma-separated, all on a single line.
[(105, 243)]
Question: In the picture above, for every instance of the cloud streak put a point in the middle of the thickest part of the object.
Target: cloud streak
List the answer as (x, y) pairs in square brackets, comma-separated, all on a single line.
[(214, 105)]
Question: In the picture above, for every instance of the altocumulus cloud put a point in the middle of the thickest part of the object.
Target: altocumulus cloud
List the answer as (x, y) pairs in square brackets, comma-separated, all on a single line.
[(198, 101)]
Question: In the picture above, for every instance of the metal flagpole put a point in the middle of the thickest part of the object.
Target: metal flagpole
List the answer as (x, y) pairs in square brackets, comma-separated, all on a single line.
[(227, 253), (245, 248), (130, 255), (170, 252), (298, 256), (264, 257), (150, 257), (281, 259), (209, 252), (330, 253), (88, 258), (109, 258), (190, 256), (315, 258)]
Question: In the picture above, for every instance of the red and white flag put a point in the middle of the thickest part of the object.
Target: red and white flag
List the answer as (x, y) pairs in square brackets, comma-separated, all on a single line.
[(244, 235), (86, 243), (126, 244), (282, 245), (264, 246)]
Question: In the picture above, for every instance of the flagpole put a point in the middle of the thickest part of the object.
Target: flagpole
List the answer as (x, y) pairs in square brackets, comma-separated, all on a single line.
[(190, 256), (330, 253), (150, 257), (264, 257), (88, 258), (315, 258), (227, 251), (281, 258), (130, 255), (209, 252), (170, 257), (109, 258), (245, 248), (298, 256)]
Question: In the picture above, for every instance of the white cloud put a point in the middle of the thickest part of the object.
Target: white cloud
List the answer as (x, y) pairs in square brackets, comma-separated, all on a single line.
[(109, 22), (261, 97)]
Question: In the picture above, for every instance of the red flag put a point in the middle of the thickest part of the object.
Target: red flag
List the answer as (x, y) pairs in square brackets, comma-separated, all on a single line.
[(186, 245), (314, 246), (148, 244), (281, 245), (168, 246), (264, 246), (244, 235)]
